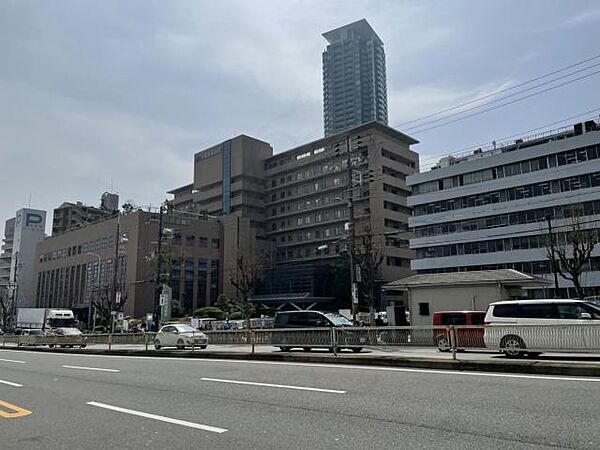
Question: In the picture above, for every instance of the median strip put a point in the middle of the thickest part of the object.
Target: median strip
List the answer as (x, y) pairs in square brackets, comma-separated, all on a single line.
[(184, 423), (97, 369), (282, 386), (10, 383)]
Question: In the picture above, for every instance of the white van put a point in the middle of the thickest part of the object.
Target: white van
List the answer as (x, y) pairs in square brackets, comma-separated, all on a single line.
[(512, 326)]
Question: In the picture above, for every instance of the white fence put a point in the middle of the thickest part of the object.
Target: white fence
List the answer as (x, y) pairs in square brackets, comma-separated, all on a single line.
[(511, 339)]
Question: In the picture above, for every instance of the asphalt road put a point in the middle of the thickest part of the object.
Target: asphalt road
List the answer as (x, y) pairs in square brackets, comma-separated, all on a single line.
[(65, 401)]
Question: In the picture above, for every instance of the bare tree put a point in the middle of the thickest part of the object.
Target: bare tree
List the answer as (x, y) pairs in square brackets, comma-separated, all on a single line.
[(573, 252), (5, 308), (245, 279), (106, 303), (368, 259)]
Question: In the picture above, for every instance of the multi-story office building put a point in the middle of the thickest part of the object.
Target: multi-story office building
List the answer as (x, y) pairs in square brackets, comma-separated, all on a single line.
[(73, 215), (76, 267), (6, 256), (17, 262), (354, 79), (286, 206), (490, 210)]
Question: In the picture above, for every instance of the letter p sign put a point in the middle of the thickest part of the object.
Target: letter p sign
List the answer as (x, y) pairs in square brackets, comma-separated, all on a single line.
[(32, 219)]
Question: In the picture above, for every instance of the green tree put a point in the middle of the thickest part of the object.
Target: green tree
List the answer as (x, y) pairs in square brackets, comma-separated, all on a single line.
[(226, 305), (209, 311)]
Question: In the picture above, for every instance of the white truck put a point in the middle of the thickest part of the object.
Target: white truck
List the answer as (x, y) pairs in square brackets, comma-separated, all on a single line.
[(45, 318), (59, 323)]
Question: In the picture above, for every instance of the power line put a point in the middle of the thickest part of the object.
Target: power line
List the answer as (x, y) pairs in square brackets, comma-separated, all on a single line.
[(501, 91), (508, 103), (522, 91), (505, 138)]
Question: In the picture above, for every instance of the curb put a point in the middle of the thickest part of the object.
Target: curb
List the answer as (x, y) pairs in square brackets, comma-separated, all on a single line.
[(504, 366)]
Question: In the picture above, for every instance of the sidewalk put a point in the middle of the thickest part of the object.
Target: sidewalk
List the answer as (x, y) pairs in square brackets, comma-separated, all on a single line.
[(408, 357)]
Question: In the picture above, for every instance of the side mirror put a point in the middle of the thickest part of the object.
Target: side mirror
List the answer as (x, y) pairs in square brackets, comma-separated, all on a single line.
[(585, 315)]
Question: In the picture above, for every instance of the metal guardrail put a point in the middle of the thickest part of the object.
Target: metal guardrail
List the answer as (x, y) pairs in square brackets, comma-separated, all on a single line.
[(511, 339)]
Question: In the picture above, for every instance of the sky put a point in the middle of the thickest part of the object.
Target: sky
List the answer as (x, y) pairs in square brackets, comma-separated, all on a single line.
[(120, 94)]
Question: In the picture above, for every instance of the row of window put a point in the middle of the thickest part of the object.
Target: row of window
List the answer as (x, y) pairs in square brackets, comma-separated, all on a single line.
[(190, 241), (578, 155), (316, 202), (541, 267), (309, 188), (317, 217), (87, 247), (516, 193), (508, 219), (492, 246), (394, 157)]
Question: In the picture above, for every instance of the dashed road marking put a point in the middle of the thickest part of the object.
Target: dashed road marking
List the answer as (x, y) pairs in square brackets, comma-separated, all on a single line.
[(282, 386), (13, 361), (184, 423), (97, 369), (10, 383)]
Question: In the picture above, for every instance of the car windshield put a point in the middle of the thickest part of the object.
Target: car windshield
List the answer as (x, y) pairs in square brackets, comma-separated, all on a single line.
[(338, 320), (593, 309), (185, 329)]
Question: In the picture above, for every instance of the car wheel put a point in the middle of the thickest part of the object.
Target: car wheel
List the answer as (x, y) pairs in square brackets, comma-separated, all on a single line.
[(203, 347), (180, 344), (157, 345), (285, 349), (512, 346), (307, 349), (443, 344), (83, 346), (51, 345), (356, 349)]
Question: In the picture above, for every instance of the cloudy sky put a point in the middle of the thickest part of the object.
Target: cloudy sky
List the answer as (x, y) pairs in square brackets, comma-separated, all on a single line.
[(124, 92)]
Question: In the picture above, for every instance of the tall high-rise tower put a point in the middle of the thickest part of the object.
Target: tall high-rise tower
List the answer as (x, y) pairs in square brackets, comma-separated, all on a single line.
[(354, 81)]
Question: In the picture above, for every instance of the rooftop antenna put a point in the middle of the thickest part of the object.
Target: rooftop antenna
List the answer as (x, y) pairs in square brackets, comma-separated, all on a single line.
[(29, 204)]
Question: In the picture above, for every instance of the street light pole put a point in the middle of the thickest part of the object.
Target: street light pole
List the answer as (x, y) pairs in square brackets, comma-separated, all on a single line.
[(156, 316)]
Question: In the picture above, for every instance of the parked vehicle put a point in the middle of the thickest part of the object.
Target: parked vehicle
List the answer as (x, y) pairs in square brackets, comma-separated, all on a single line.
[(313, 319), (180, 335), (510, 326), (465, 337), (45, 318), (66, 337), (30, 337)]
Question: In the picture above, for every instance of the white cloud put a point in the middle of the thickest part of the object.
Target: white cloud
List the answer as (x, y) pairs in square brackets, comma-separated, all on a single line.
[(583, 18)]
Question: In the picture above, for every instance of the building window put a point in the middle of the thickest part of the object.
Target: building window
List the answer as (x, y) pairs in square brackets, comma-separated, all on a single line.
[(423, 309), (190, 241), (216, 243)]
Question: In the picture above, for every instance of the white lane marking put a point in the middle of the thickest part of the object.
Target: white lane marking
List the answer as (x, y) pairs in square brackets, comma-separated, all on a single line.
[(13, 361), (97, 369), (283, 386), (10, 383), (336, 366), (160, 418)]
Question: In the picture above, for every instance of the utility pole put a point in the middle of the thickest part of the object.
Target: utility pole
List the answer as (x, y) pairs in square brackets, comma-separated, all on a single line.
[(115, 268), (552, 259), (156, 317), (352, 232)]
